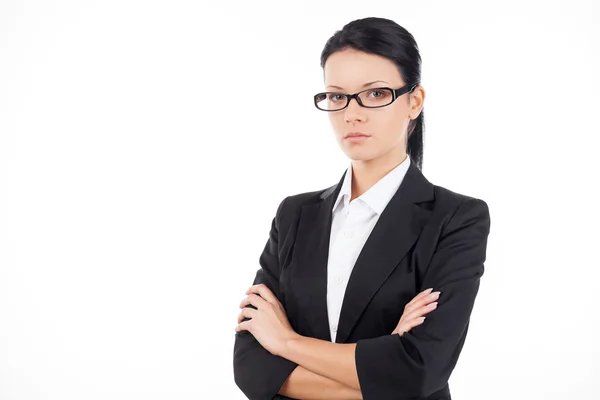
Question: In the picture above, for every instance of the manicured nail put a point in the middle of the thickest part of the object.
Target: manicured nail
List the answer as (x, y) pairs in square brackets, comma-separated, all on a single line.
[(428, 290), (433, 305), (434, 295), (421, 319)]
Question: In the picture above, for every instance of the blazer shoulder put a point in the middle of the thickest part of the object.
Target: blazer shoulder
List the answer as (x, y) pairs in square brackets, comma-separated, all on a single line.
[(449, 200), (301, 199), (290, 206)]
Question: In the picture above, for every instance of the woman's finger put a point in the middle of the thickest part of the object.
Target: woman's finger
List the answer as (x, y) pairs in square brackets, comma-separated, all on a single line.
[(406, 326), (244, 302), (253, 299), (246, 313), (423, 301), (241, 316), (420, 296), (263, 291), (414, 314), (419, 312), (243, 326), (411, 323)]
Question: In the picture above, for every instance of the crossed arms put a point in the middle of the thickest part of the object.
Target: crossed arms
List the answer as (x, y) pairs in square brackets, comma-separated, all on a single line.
[(394, 366)]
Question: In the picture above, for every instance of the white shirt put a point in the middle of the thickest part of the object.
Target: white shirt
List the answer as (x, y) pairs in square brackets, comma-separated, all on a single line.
[(352, 223)]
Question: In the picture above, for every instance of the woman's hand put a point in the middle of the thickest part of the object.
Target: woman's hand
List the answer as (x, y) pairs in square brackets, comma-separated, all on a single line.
[(268, 322), (422, 304)]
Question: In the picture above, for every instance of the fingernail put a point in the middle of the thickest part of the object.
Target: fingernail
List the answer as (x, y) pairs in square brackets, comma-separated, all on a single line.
[(434, 295), (428, 290), (421, 319), (433, 305)]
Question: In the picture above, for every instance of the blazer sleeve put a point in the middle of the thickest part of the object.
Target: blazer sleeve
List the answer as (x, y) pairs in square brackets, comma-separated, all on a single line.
[(258, 373), (419, 362)]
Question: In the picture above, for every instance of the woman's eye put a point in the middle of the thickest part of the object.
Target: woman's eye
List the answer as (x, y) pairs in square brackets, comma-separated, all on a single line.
[(378, 92)]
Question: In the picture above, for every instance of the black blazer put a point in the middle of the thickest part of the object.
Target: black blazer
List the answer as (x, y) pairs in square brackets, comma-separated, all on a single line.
[(427, 236)]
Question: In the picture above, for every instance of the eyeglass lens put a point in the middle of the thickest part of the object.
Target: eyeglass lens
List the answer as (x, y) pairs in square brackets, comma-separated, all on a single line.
[(332, 101)]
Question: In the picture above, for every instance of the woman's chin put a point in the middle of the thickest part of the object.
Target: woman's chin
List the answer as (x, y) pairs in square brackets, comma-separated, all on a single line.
[(359, 154)]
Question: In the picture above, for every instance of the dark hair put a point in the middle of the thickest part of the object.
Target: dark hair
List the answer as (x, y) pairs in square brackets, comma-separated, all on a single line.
[(385, 38)]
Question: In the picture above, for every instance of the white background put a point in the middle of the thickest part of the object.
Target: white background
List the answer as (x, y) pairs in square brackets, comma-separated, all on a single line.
[(145, 146)]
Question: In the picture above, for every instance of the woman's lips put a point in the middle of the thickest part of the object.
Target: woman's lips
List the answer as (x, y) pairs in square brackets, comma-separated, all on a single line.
[(356, 139)]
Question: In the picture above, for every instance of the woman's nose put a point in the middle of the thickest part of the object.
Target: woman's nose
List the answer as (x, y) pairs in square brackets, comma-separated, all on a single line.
[(354, 111)]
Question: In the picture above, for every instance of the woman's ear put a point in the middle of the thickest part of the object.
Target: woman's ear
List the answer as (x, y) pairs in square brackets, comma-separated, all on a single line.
[(417, 97)]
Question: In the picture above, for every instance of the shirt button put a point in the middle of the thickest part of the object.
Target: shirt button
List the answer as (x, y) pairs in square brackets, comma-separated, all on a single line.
[(335, 328), (340, 279), (348, 234)]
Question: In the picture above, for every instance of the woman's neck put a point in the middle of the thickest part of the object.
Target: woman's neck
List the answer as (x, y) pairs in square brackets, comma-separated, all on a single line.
[(365, 174)]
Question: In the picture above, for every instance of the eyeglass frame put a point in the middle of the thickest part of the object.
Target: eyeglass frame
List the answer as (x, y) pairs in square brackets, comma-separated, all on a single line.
[(396, 93)]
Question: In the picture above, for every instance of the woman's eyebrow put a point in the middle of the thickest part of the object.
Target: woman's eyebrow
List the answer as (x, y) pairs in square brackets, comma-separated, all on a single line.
[(365, 85)]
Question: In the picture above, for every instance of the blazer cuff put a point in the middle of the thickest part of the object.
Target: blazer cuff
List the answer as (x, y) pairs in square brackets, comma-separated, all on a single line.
[(388, 370), (258, 373)]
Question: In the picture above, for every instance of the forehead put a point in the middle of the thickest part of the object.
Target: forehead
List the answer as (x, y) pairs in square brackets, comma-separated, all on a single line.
[(350, 69)]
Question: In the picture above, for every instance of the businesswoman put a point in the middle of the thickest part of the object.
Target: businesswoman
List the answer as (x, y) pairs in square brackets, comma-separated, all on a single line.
[(344, 304)]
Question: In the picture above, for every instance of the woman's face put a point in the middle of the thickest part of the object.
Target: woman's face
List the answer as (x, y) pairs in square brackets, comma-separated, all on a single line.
[(351, 71)]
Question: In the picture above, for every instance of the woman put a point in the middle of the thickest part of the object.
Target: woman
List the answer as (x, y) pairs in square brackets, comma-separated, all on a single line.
[(347, 275)]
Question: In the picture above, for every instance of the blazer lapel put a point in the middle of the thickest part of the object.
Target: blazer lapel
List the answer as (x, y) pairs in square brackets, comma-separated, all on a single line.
[(311, 251), (396, 230)]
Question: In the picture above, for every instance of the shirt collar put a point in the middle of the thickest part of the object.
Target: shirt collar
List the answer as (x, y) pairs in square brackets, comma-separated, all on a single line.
[(378, 195)]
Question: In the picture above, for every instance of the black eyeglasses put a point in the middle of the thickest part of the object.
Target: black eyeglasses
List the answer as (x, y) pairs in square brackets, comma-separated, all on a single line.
[(384, 96)]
